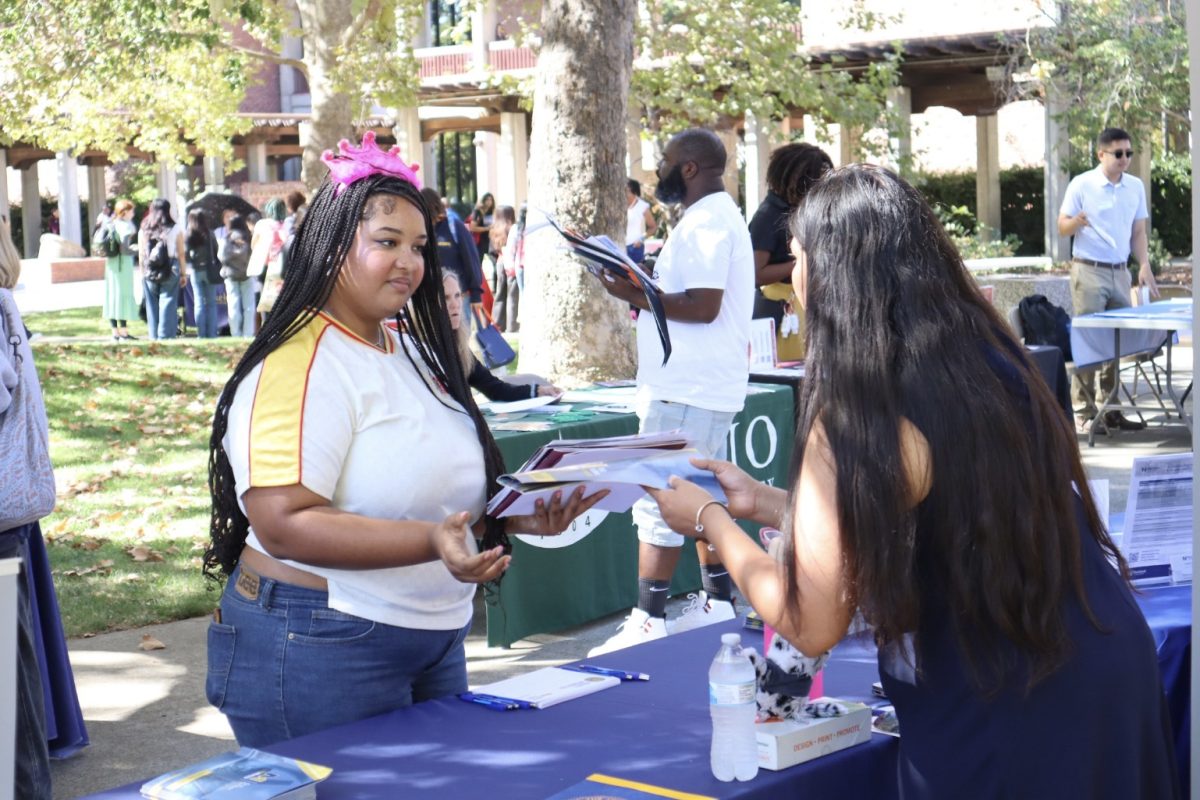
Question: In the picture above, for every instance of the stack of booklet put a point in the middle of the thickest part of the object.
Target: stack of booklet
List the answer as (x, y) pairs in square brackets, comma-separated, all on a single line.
[(608, 261), (246, 773), (621, 464)]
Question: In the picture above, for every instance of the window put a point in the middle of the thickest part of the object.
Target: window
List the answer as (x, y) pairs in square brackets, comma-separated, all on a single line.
[(455, 156), (445, 17)]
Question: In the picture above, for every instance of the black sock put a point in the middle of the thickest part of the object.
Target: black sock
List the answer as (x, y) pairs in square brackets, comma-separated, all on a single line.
[(716, 582), (652, 597)]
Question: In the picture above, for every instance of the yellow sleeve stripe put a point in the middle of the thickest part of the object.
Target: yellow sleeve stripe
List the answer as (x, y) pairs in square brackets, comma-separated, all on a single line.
[(277, 415)]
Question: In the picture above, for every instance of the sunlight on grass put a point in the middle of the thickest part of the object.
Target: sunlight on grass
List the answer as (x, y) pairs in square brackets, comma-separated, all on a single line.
[(129, 429)]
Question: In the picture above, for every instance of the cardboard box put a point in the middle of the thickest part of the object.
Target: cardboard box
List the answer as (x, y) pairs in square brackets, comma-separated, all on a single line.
[(785, 743)]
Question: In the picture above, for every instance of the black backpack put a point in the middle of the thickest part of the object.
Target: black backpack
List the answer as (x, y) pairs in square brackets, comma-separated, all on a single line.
[(204, 259), (1045, 323), (106, 242), (158, 258)]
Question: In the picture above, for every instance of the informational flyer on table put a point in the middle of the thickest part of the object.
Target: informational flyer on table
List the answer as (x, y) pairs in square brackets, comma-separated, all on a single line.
[(1158, 520)]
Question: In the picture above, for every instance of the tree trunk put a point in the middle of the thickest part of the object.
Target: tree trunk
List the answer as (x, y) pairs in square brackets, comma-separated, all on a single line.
[(572, 331), (323, 22)]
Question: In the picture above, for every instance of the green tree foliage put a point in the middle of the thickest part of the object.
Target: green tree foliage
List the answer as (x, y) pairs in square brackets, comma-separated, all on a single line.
[(167, 76), (699, 61), (1119, 63)]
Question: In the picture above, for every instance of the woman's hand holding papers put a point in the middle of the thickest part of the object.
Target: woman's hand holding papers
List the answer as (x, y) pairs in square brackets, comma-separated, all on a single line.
[(553, 519), (745, 497)]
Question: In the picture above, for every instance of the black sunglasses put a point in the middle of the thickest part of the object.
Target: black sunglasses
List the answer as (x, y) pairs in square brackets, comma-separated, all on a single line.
[(1119, 153)]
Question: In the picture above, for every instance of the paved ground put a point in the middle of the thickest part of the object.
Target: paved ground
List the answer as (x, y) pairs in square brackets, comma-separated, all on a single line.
[(146, 711)]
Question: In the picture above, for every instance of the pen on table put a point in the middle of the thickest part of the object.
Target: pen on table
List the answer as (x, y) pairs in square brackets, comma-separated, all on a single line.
[(623, 674), (491, 701)]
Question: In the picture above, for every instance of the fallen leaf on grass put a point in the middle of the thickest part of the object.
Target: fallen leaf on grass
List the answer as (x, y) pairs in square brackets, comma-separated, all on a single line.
[(87, 544), (150, 643), (89, 636), (143, 553)]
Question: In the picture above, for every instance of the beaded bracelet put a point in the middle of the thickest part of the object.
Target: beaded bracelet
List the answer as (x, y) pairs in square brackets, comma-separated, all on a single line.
[(699, 526)]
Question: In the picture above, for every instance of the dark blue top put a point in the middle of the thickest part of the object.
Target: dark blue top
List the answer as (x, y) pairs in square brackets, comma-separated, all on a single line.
[(456, 252), (1098, 727)]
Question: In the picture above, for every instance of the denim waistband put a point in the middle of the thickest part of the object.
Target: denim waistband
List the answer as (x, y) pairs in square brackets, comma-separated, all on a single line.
[(250, 587)]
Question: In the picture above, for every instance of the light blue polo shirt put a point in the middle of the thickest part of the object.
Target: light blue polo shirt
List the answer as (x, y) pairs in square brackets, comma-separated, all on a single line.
[(1111, 207)]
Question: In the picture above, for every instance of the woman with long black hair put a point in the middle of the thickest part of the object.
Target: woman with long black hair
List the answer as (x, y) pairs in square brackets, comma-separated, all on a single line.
[(937, 488), (349, 468)]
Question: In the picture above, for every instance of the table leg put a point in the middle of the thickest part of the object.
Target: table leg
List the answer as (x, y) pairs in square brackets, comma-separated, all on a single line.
[(1175, 398), (1114, 397)]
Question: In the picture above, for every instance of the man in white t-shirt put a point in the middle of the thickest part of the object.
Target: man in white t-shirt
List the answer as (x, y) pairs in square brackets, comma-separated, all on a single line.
[(639, 222), (1105, 210), (706, 274)]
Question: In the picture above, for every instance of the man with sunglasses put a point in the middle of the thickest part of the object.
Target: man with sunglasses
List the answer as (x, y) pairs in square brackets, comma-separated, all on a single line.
[(1104, 209)]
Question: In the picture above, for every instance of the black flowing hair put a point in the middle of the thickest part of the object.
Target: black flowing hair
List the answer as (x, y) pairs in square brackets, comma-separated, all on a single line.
[(794, 168), (897, 329), (322, 240)]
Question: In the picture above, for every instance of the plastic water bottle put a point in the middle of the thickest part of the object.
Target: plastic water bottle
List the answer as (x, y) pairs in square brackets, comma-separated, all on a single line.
[(731, 704)]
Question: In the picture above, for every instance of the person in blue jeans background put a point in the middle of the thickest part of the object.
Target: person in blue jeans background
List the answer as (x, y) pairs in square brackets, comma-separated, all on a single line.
[(346, 517), (162, 297), (202, 255)]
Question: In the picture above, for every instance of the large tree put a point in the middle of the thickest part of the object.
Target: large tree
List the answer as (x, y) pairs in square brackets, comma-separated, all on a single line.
[(1121, 63), (167, 76), (576, 331)]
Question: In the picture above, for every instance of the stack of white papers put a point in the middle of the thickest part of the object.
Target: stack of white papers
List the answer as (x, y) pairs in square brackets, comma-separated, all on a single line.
[(548, 686), (621, 464)]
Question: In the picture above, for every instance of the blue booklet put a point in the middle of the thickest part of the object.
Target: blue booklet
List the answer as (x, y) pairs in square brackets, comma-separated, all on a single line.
[(246, 774)]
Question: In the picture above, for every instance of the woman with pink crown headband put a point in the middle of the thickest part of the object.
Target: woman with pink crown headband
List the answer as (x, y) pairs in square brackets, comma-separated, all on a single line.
[(349, 469)]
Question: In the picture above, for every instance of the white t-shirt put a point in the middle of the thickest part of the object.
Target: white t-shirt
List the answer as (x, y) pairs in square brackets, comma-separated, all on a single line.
[(357, 425), (1110, 207), (635, 221), (710, 363)]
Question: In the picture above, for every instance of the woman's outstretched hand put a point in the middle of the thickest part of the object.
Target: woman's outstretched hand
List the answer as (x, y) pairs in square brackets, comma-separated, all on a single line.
[(450, 540), (680, 503), (553, 518), (741, 491)]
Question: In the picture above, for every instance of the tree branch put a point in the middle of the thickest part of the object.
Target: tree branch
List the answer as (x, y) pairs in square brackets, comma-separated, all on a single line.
[(369, 14), (262, 55)]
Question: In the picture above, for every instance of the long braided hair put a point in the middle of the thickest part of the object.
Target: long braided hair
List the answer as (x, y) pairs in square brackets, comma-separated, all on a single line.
[(322, 241)]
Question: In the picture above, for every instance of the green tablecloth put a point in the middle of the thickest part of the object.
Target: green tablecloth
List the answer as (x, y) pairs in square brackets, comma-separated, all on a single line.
[(591, 570)]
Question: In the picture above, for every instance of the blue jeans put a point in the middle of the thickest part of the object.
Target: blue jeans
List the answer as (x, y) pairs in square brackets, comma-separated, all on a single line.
[(709, 430), (205, 293), (282, 664), (240, 296), (162, 306), (32, 751)]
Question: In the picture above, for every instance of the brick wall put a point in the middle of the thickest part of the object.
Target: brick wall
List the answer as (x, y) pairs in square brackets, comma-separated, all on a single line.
[(69, 270)]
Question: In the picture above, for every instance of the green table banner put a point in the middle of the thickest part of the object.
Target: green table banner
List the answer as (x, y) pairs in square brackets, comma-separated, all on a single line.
[(590, 571)]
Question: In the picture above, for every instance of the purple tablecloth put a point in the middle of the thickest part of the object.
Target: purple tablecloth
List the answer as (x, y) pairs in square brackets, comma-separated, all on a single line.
[(656, 732)]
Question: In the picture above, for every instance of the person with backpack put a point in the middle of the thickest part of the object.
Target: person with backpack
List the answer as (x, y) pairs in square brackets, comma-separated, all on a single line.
[(164, 268), (114, 239), (266, 253), (233, 251), (206, 272)]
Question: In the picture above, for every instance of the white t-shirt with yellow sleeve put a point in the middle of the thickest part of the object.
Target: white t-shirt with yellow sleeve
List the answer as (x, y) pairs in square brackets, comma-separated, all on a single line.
[(358, 425)]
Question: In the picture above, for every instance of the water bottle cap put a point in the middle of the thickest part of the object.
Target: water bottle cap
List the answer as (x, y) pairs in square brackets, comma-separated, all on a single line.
[(731, 639)]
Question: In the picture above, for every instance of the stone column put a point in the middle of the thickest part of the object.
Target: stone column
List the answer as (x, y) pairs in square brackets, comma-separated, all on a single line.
[(483, 33), (1056, 178), (4, 202), (166, 181), (849, 144), (899, 102), (69, 226), (486, 156), (256, 164), (758, 153), (97, 194), (729, 138), (407, 131), (214, 171), (1139, 165), (987, 175), (513, 158), (31, 209)]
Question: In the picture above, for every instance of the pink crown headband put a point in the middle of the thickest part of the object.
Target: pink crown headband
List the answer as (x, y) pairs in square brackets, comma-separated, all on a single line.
[(355, 163)]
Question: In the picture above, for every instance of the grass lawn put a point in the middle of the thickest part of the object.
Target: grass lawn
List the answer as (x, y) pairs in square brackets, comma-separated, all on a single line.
[(129, 429)]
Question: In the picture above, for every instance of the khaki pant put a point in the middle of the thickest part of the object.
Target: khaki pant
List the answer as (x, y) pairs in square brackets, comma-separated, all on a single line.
[(1095, 289)]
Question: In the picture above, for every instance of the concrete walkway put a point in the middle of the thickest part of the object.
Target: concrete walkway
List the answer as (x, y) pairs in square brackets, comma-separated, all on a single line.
[(146, 711)]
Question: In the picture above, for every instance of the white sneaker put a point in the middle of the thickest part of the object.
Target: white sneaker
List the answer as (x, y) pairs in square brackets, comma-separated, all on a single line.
[(702, 611), (638, 627)]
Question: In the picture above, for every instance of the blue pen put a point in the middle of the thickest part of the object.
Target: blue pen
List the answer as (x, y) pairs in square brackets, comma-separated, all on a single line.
[(488, 701), (623, 674), (512, 701)]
